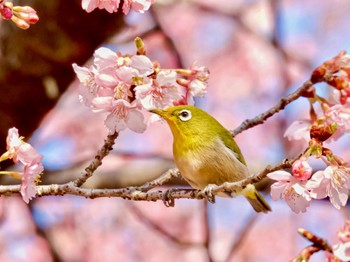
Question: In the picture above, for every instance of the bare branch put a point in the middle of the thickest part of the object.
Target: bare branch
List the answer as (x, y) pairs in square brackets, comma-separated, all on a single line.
[(141, 193), (249, 123), (104, 151), (167, 176)]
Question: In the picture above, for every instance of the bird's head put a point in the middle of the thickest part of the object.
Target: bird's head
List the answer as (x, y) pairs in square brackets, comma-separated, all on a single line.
[(187, 120)]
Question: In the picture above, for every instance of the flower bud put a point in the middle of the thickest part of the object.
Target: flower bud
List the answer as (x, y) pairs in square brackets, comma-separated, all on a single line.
[(301, 169), (6, 10), (23, 16)]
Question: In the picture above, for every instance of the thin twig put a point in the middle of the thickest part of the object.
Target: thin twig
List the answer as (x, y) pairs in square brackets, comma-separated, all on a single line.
[(104, 151), (249, 123), (167, 176), (237, 186)]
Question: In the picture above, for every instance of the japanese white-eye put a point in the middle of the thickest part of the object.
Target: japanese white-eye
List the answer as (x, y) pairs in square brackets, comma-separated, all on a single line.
[(206, 153)]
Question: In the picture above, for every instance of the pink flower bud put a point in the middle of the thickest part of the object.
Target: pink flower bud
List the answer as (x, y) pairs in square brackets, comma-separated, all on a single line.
[(23, 16), (6, 12), (301, 170), (20, 23)]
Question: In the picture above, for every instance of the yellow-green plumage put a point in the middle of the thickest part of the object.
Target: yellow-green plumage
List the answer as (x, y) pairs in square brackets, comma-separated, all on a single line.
[(206, 153)]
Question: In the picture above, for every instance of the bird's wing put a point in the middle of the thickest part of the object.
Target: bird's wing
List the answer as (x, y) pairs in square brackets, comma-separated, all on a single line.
[(230, 143)]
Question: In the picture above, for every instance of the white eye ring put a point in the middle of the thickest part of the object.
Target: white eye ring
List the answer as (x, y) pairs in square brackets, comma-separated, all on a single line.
[(185, 115)]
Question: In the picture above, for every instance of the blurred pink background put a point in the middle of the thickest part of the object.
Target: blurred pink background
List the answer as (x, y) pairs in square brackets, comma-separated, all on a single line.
[(257, 52)]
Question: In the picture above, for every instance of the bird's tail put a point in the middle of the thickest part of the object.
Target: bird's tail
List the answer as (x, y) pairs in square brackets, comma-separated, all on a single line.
[(255, 199)]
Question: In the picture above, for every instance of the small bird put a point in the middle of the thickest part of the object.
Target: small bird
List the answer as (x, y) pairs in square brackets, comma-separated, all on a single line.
[(206, 153)]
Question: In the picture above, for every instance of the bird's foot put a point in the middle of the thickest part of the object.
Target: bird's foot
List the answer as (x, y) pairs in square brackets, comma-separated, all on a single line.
[(168, 200), (208, 191)]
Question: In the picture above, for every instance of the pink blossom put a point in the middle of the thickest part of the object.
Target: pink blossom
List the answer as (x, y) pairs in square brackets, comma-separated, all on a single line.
[(134, 70), (30, 176), (122, 115), (139, 6), (114, 70), (344, 233), (342, 249), (333, 182), (13, 141), (301, 169), (104, 58), (89, 89), (299, 130), (159, 93), (291, 189), (197, 86), (110, 5), (107, 87), (18, 150), (340, 115)]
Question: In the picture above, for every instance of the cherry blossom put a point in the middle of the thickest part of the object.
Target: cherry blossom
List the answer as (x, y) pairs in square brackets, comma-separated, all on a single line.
[(333, 182), (197, 86), (299, 130), (342, 249), (160, 92), (292, 190), (139, 6), (340, 115), (123, 85), (30, 176), (111, 6), (18, 150), (122, 115)]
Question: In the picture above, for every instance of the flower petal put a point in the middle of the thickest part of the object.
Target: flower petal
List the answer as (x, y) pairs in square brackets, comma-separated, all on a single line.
[(280, 175)]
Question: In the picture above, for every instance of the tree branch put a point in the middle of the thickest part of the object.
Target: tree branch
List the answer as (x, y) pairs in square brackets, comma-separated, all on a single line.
[(141, 193), (102, 153), (167, 176), (249, 123)]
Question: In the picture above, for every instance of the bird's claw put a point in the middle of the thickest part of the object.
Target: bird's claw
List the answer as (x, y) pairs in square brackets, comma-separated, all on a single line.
[(168, 200), (208, 191)]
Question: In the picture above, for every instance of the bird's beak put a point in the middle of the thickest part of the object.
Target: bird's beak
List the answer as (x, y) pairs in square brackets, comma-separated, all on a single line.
[(159, 112)]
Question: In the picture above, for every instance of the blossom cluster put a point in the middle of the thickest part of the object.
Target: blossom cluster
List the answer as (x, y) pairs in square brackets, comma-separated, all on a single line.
[(22, 16), (300, 186), (124, 85), (111, 6), (22, 152)]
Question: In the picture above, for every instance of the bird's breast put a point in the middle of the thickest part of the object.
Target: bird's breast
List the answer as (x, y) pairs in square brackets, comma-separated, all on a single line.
[(213, 163)]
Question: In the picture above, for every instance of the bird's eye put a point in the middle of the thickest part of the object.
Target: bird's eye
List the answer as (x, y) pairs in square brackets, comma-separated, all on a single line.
[(185, 115)]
